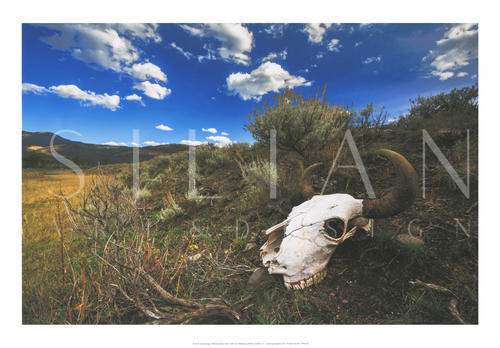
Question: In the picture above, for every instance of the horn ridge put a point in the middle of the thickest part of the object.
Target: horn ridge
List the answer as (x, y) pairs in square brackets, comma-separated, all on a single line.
[(401, 196)]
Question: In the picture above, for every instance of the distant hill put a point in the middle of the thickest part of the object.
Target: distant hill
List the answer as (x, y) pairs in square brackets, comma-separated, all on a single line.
[(36, 151)]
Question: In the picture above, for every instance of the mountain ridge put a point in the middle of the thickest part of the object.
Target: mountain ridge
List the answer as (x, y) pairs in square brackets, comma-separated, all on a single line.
[(37, 154)]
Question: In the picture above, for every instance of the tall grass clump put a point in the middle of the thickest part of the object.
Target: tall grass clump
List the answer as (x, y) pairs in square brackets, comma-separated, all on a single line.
[(131, 264)]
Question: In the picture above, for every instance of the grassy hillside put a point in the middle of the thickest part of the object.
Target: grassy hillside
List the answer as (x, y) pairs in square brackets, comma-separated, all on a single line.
[(37, 154), (204, 250)]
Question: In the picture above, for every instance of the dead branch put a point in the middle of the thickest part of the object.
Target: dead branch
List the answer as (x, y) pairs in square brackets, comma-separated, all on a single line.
[(453, 302), (431, 286), (123, 244), (454, 311)]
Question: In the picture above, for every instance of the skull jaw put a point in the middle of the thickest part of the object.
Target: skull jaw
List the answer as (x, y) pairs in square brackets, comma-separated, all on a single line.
[(305, 278), (316, 278)]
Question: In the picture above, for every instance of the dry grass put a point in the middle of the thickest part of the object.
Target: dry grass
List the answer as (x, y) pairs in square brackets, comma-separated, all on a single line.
[(41, 243)]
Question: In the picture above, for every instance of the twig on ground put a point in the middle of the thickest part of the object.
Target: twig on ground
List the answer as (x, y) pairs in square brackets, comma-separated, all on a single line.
[(453, 302), (431, 286), (454, 311)]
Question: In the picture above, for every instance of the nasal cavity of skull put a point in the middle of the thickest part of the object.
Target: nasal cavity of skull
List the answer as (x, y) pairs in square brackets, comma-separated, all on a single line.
[(334, 228)]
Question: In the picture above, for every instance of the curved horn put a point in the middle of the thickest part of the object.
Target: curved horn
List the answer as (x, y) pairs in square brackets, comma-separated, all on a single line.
[(305, 180), (401, 196)]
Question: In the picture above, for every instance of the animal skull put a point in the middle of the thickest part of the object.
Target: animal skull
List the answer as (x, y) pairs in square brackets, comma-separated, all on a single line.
[(314, 229)]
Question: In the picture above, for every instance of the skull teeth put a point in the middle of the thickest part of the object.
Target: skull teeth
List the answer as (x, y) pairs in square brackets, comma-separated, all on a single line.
[(304, 283)]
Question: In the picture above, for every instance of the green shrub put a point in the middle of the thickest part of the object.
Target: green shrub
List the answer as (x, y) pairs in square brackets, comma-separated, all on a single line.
[(302, 125)]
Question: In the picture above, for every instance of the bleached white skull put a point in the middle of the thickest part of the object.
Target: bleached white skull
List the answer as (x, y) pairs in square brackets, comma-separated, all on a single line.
[(300, 247)]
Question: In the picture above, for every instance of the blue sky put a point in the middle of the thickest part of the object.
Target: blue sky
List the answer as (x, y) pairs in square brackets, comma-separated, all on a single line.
[(104, 80)]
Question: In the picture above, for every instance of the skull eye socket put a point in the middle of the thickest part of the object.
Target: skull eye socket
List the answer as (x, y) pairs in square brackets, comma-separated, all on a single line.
[(334, 228)]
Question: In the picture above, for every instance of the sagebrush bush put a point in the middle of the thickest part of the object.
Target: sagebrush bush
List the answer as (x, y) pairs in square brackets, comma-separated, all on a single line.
[(212, 158), (303, 125)]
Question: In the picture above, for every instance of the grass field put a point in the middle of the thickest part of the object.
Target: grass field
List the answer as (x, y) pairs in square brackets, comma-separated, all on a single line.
[(43, 267)]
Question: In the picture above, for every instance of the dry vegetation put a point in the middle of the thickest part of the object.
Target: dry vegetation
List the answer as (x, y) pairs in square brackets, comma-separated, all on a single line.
[(166, 258)]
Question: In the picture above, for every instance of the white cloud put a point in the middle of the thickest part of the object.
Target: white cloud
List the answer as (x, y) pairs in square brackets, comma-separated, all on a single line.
[(133, 97), (457, 48), (462, 74), (179, 49), (152, 90), (114, 143), (193, 142), (473, 76), (135, 144), (209, 130), (267, 77), (111, 102), (275, 30), (357, 44), (334, 45), (87, 98), (235, 40), (370, 60), (142, 31), (224, 133), (94, 44), (31, 87), (164, 127), (320, 55), (443, 75), (153, 143), (109, 46), (316, 31), (220, 141), (272, 55), (146, 71)]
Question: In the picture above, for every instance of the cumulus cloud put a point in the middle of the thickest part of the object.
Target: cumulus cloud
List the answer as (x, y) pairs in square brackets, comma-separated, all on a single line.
[(111, 102), (370, 60), (443, 75), (108, 46), (272, 55), (235, 40), (87, 98), (220, 141), (164, 127), (462, 74), (457, 48), (96, 44), (359, 43), (32, 88), (209, 130), (153, 143), (267, 77), (316, 31), (193, 142), (134, 97), (146, 71), (334, 45), (224, 133), (152, 90), (179, 49)]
